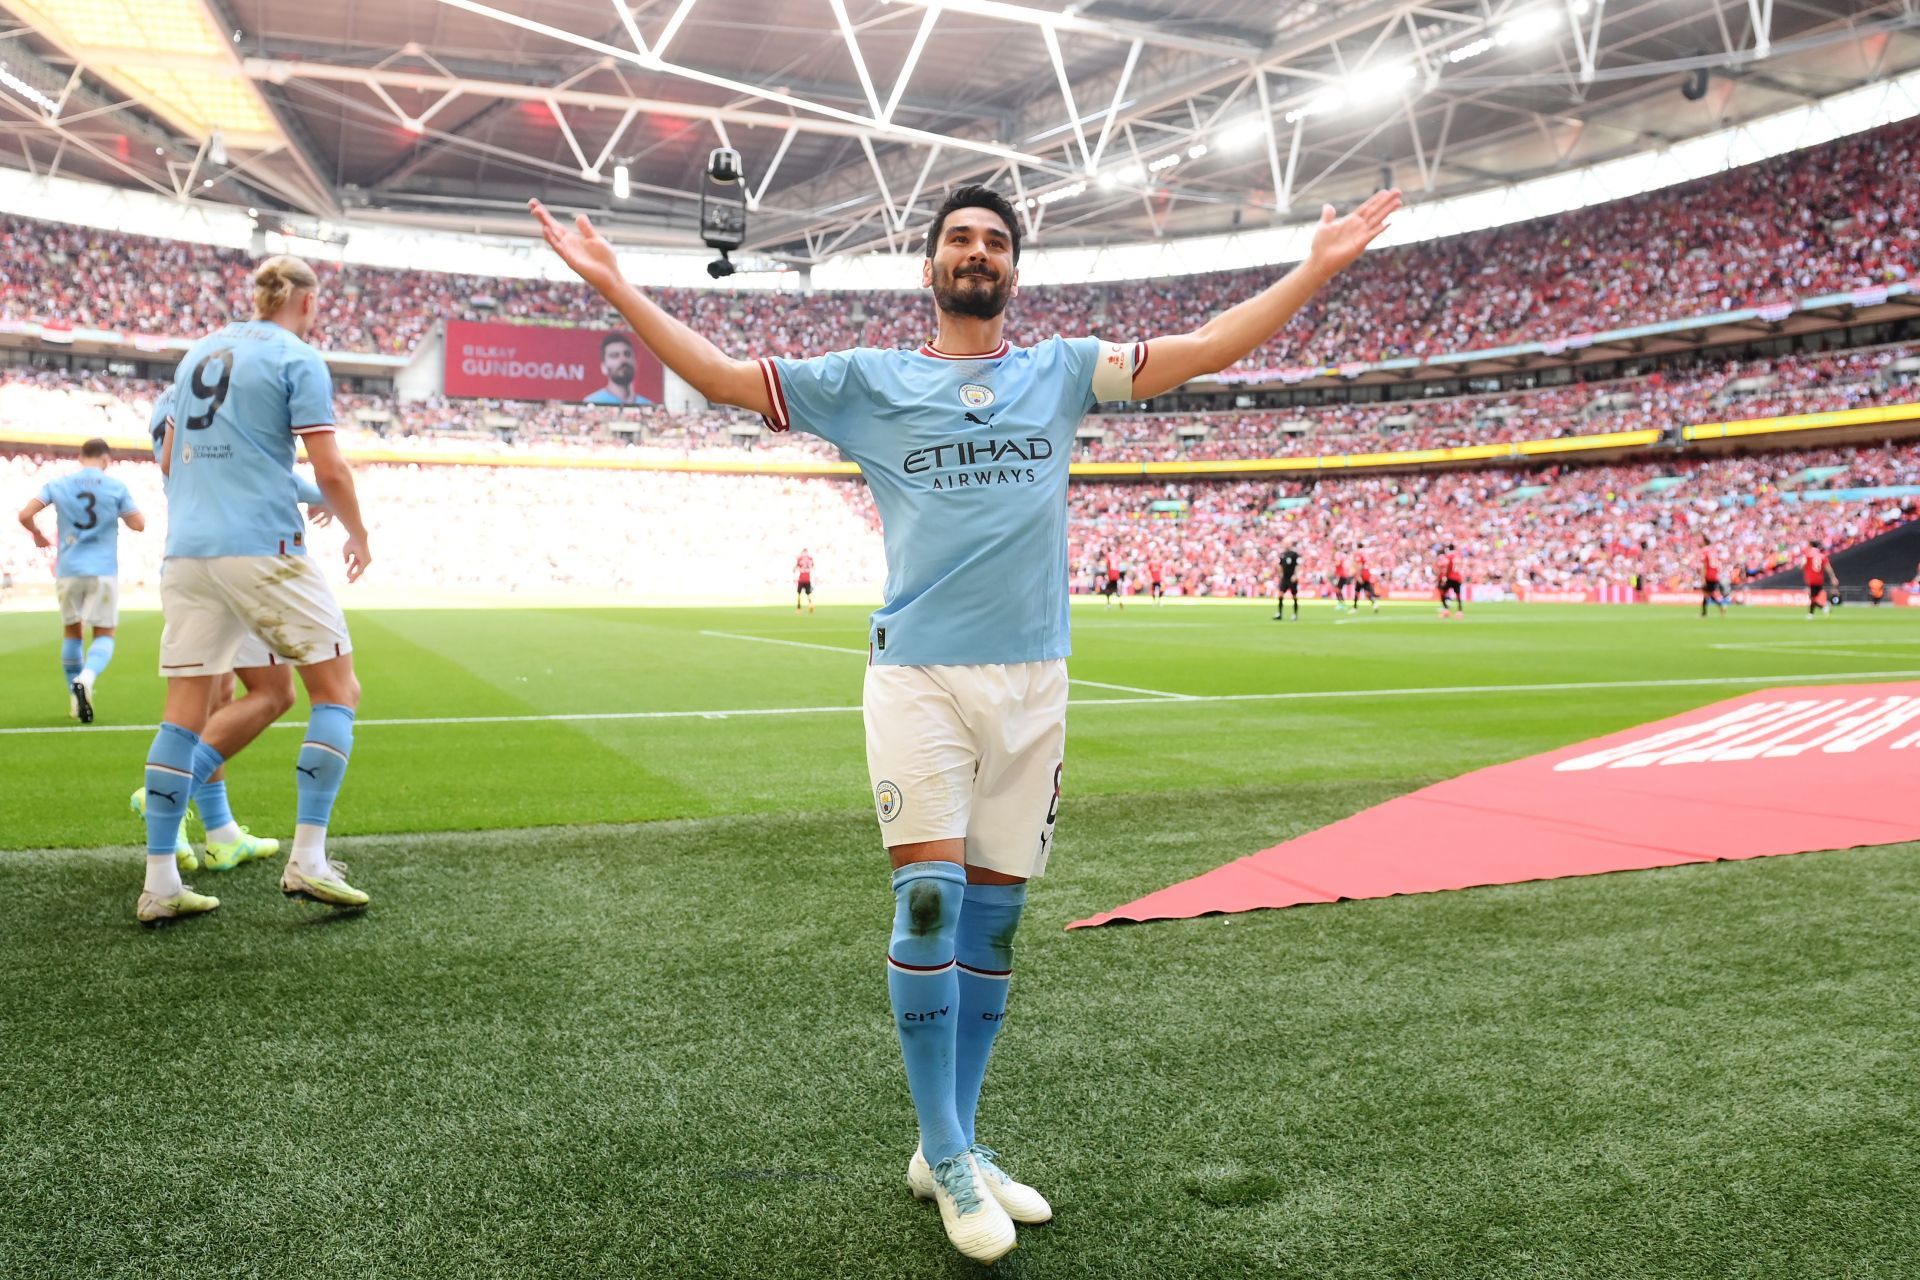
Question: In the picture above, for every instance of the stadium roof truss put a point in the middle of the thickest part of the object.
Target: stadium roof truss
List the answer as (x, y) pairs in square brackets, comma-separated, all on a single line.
[(1109, 121)]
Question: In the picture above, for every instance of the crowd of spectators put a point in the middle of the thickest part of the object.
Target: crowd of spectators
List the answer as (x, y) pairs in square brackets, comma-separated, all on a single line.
[(1841, 216), (486, 531), (1574, 528), (106, 405), (479, 532)]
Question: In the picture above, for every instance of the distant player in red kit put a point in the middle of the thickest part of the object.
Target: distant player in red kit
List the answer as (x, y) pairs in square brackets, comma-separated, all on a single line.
[(1112, 589), (1154, 572), (1446, 570), (803, 583), (1816, 570), (1340, 580), (1713, 590), (1363, 581)]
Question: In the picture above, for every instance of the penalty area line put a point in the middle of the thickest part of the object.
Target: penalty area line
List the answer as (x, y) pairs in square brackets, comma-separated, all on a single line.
[(1300, 695)]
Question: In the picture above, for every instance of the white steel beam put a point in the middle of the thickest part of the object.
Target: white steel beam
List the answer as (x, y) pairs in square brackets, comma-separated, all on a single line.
[(1761, 12), (283, 71), (672, 29), (1113, 108), (766, 179), (859, 61), (1281, 193), (1052, 40), (873, 126), (633, 28), (927, 20), (1111, 28)]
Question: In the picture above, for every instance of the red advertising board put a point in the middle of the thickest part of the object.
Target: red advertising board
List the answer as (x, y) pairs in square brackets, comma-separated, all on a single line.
[(534, 362)]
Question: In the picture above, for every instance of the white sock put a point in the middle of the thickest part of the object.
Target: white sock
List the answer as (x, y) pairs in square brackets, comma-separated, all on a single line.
[(86, 677), (223, 835), (310, 849), (163, 875)]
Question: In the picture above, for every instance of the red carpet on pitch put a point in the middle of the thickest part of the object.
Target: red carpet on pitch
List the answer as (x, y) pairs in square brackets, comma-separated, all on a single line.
[(1780, 771)]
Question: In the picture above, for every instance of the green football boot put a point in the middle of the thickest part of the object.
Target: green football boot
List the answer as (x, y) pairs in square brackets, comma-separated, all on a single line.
[(153, 910), (226, 856)]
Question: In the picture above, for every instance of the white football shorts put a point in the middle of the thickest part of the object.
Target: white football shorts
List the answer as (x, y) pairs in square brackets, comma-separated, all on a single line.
[(93, 602), (214, 606), (969, 752)]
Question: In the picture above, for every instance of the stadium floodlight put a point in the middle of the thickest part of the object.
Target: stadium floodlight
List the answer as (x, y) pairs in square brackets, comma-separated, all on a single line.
[(1165, 162), (1067, 192), (27, 91), (1197, 150), (1243, 133), (1471, 49), (622, 182), (1529, 27), (1367, 85)]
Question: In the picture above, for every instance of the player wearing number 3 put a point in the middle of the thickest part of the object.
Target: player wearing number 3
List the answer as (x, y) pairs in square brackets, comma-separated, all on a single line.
[(89, 506), (237, 568), (964, 443)]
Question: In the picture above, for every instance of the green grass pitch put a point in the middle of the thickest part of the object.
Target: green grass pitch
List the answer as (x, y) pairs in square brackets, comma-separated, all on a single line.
[(619, 1009)]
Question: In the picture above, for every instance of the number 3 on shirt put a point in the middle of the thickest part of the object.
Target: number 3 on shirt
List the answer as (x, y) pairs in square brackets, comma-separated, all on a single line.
[(215, 395)]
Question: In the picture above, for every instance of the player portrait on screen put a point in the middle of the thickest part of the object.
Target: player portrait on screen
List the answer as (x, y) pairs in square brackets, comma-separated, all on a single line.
[(618, 366)]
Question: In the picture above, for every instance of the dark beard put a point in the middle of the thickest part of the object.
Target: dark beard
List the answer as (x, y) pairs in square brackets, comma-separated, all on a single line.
[(958, 299)]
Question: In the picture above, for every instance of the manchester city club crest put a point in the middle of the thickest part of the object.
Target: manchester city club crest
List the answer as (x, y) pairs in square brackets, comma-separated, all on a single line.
[(976, 395), (186, 453), (887, 798)]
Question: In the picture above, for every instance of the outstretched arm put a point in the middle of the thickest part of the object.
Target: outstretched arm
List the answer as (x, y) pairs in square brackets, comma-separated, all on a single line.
[(1238, 331), (700, 364), (28, 515)]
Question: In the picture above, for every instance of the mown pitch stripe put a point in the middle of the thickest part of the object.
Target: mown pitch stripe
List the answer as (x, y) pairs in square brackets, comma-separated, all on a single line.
[(1159, 700), (834, 648)]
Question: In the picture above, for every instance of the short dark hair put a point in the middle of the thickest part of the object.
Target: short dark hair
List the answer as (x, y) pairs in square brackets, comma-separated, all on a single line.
[(613, 338), (94, 448), (975, 197)]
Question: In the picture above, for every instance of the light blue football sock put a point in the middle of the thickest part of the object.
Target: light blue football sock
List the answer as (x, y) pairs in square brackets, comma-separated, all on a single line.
[(169, 787), (984, 950), (924, 991), (99, 654), (70, 660), (322, 765), (210, 797)]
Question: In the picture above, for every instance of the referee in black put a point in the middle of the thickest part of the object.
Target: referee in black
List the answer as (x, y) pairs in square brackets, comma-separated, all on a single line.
[(1289, 585)]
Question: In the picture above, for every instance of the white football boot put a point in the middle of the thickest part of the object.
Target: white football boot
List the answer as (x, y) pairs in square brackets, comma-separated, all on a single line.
[(975, 1222), (1022, 1203)]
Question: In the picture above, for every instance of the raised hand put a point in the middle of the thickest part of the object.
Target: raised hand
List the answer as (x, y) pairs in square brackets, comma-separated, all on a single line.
[(1338, 241), (580, 247)]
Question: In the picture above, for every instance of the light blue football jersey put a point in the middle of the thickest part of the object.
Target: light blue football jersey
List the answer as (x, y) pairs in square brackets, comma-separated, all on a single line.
[(305, 490), (88, 504), (238, 398), (966, 458)]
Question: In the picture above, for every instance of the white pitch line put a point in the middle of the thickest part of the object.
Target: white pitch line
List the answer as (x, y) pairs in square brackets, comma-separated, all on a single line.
[(1127, 688), (1301, 695), (831, 648), (791, 644)]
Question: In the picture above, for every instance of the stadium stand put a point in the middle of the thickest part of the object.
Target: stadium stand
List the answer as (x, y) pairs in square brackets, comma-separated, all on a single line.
[(652, 535), (1837, 217), (107, 405)]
